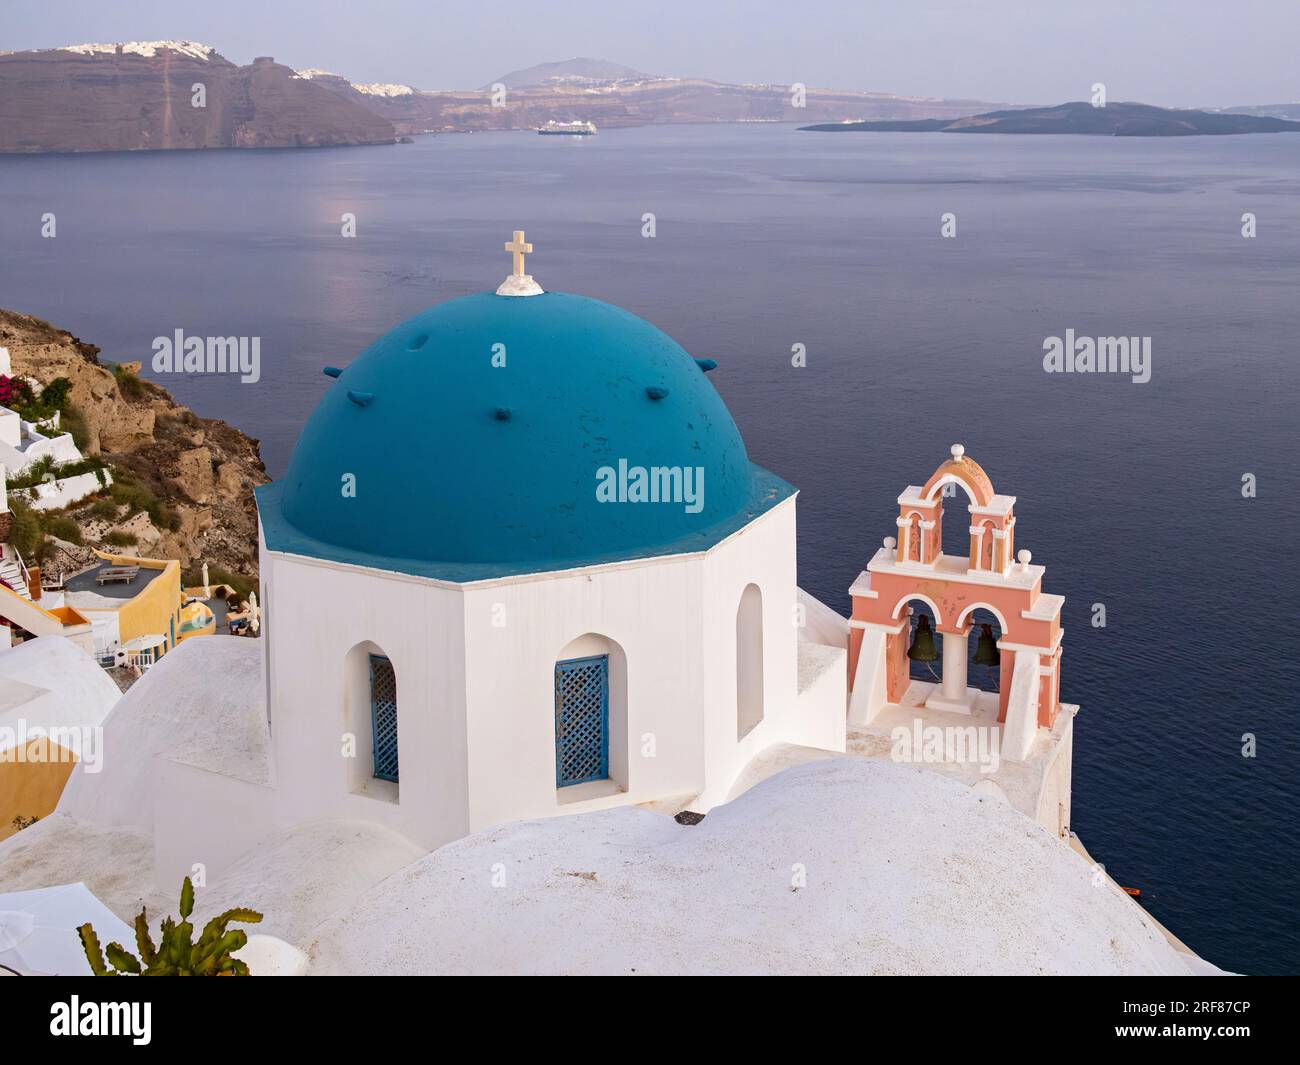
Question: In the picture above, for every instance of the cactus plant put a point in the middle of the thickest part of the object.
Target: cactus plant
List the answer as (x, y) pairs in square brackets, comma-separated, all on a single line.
[(177, 953)]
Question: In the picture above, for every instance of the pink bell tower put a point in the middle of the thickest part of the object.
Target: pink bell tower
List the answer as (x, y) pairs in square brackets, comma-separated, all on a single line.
[(991, 575)]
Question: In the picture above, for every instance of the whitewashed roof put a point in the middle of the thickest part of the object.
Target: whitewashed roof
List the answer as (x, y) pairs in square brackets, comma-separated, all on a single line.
[(50, 683), (844, 866), (203, 705)]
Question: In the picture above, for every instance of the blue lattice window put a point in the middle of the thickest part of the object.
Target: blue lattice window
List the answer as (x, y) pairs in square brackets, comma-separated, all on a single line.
[(383, 716), (581, 720)]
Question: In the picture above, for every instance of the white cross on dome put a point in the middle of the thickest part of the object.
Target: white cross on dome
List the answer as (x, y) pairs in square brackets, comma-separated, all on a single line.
[(519, 283)]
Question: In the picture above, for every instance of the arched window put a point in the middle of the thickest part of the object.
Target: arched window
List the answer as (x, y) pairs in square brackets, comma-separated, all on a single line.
[(383, 718), (591, 717), (749, 661), (955, 535), (581, 720), (370, 715), (986, 546), (913, 533)]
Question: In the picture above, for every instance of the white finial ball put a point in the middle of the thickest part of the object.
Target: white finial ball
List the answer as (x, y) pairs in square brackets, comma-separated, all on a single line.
[(1024, 557), (890, 542), (957, 452)]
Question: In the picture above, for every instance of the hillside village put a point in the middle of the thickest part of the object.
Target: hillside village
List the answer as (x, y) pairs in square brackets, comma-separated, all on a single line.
[(123, 515), (127, 527), (182, 484)]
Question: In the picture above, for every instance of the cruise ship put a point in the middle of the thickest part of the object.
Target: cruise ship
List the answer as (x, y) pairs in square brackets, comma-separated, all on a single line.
[(567, 129)]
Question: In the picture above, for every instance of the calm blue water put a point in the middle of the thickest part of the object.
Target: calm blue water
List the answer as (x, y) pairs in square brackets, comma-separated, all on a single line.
[(1130, 494)]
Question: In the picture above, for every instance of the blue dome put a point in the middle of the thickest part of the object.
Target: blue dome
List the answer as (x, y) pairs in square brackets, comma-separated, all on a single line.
[(465, 470)]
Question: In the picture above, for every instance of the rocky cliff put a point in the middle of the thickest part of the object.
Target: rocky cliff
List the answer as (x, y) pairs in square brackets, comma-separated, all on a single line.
[(201, 470), (94, 98)]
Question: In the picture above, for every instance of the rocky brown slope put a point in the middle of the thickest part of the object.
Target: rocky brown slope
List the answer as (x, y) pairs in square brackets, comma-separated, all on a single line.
[(133, 97), (202, 470)]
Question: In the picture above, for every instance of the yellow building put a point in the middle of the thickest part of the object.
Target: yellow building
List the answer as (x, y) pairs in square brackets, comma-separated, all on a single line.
[(133, 605), (53, 701)]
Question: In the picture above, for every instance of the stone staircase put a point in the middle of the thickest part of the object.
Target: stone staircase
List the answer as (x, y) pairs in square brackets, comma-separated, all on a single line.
[(13, 572)]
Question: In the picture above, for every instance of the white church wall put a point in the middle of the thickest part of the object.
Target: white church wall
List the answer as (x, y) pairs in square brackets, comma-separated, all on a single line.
[(673, 622), (1021, 726), (763, 554), (1053, 811), (821, 624), (869, 695), (648, 616), (750, 696), (317, 613), (475, 683), (823, 695)]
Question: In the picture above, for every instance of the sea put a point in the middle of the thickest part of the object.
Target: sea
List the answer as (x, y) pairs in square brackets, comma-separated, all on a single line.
[(856, 343)]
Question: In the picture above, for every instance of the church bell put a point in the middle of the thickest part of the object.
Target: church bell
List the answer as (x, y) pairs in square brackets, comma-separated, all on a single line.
[(923, 648), (986, 650)]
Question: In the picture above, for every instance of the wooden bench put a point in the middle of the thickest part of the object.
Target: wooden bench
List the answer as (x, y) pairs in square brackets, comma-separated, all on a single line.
[(117, 574)]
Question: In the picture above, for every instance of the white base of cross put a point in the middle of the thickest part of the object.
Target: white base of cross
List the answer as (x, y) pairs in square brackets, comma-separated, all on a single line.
[(519, 285)]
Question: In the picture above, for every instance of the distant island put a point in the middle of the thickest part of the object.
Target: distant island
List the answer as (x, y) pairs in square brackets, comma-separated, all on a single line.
[(141, 96), (1079, 117)]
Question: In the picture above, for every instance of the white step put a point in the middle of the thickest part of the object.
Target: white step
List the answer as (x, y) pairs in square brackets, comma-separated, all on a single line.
[(13, 577)]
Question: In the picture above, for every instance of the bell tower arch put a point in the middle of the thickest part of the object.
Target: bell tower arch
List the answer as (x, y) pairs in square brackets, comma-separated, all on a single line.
[(991, 575)]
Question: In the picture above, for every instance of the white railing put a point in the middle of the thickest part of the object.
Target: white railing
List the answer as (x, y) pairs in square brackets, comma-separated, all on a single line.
[(141, 659), (147, 651)]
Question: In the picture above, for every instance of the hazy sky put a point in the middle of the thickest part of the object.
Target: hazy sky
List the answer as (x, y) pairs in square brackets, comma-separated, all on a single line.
[(1175, 52)]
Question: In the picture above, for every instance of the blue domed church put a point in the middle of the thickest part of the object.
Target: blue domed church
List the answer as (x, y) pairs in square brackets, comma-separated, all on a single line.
[(520, 565)]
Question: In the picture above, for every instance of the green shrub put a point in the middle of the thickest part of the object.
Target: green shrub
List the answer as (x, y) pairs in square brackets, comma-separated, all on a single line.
[(54, 396), (33, 408), (128, 491), (128, 383), (62, 526), (35, 474), (72, 422), (106, 509), (25, 532), (118, 538), (177, 953), (45, 468)]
